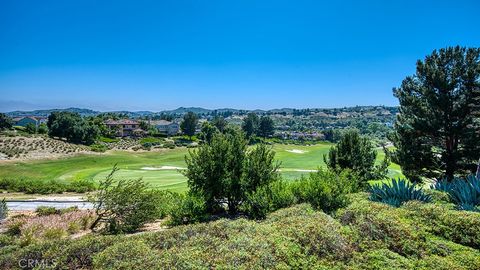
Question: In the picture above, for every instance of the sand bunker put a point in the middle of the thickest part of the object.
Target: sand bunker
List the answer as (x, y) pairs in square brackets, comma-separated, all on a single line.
[(162, 168), (296, 151)]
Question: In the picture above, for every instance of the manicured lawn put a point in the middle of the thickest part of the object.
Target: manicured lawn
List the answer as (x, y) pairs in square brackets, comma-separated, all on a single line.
[(295, 161)]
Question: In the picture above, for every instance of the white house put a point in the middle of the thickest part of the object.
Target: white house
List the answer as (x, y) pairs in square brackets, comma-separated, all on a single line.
[(166, 127)]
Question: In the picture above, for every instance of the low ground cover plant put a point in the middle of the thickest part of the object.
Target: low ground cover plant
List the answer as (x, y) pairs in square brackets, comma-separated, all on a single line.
[(361, 235)]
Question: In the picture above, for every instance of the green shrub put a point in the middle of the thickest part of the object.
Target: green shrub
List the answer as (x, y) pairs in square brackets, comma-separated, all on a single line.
[(45, 186), (46, 210), (376, 225), (325, 189), (397, 193), (461, 227), (81, 186), (267, 199), (127, 255), (123, 206), (190, 208), (98, 148), (108, 140)]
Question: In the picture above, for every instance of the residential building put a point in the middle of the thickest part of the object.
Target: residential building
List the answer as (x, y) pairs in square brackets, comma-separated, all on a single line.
[(166, 127), (124, 127), (25, 120)]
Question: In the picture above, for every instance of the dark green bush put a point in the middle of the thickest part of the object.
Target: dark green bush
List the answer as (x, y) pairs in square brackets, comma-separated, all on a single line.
[(267, 199), (189, 208), (397, 193), (46, 210), (325, 189), (98, 148), (30, 186)]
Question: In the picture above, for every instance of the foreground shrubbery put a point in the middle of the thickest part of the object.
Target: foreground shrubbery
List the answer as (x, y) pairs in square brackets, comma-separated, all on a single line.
[(362, 235), (46, 186)]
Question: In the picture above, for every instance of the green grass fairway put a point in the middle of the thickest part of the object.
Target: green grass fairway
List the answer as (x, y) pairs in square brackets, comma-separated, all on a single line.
[(295, 161)]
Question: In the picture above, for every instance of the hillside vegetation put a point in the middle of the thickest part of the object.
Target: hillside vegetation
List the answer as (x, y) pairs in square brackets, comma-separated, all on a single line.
[(362, 235)]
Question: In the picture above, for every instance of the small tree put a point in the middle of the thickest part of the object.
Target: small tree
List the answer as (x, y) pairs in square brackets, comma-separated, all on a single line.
[(266, 128), (31, 128), (5, 121), (123, 206), (358, 154), (220, 123), (189, 123), (224, 171), (250, 124), (207, 132), (42, 129)]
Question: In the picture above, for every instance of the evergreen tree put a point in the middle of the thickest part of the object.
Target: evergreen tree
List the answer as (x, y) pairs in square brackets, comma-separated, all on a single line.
[(189, 124), (437, 131), (266, 127), (5, 121), (220, 123), (250, 124), (358, 154)]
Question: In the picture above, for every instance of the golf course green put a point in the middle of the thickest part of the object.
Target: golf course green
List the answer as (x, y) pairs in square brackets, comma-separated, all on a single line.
[(159, 168)]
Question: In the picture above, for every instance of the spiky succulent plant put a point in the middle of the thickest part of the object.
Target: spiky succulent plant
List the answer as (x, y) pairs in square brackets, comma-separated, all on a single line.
[(398, 192)]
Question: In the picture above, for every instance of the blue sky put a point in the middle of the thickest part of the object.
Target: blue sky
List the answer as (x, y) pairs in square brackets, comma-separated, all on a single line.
[(156, 55)]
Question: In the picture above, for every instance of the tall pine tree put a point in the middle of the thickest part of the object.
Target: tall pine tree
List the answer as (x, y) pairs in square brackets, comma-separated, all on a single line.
[(437, 131)]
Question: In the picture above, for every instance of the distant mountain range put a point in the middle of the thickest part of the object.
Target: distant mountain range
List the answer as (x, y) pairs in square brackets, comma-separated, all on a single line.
[(183, 110)]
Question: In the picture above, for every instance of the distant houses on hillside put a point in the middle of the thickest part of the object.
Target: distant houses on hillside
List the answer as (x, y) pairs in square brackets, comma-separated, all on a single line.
[(25, 120), (166, 127), (124, 127), (128, 127)]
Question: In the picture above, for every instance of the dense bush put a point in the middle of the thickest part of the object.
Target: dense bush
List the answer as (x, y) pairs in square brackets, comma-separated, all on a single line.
[(124, 205), (45, 186), (269, 198), (325, 189), (189, 208), (98, 148), (397, 192), (46, 210), (458, 226)]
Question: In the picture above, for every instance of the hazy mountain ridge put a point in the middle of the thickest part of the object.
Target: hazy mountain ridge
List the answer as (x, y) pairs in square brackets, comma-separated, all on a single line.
[(198, 110)]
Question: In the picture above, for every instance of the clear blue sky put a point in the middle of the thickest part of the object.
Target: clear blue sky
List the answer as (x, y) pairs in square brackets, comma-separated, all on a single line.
[(155, 55)]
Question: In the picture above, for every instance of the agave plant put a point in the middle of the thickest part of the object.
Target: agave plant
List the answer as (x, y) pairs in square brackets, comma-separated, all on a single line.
[(442, 185), (466, 193), (397, 193)]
